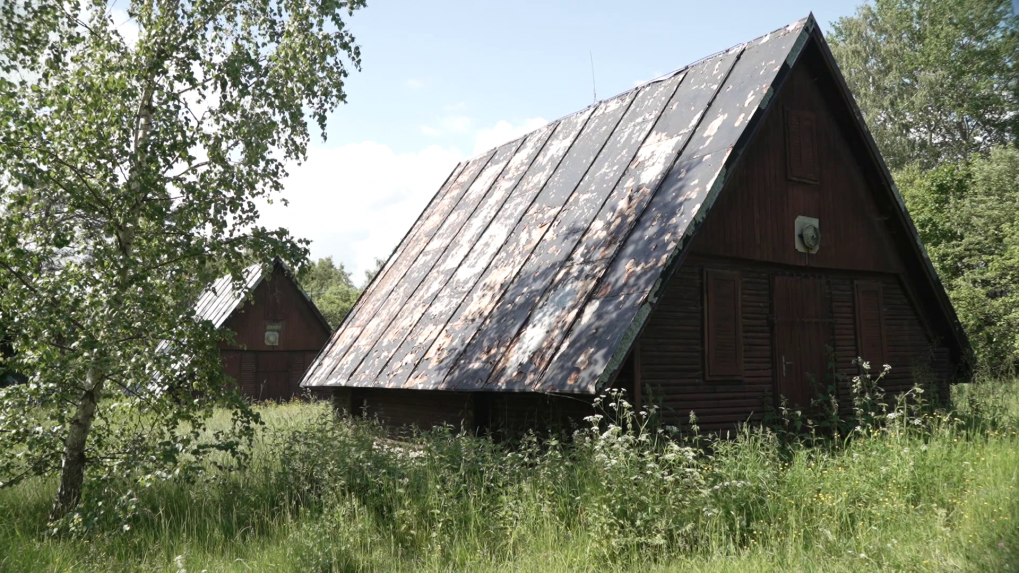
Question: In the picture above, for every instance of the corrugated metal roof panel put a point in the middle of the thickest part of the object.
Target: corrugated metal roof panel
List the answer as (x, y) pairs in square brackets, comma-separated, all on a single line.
[(534, 261)]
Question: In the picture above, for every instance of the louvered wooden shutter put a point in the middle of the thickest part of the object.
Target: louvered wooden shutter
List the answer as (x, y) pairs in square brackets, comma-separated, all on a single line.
[(248, 385), (723, 329), (801, 145), (870, 324)]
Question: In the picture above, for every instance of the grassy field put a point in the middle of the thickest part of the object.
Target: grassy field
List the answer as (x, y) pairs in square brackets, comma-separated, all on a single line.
[(932, 491)]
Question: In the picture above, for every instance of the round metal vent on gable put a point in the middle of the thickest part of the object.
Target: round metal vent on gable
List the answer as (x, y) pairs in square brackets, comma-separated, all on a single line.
[(272, 338), (807, 234), (811, 236), (272, 333)]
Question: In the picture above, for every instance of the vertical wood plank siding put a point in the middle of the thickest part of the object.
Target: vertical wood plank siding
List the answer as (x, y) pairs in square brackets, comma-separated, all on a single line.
[(754, 217)]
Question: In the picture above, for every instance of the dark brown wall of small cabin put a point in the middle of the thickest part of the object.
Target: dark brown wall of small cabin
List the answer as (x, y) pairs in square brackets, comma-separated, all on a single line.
[(750, 228), (278, 300), (273, 372)]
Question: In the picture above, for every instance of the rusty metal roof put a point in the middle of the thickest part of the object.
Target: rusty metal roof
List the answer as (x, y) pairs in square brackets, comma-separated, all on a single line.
[(533, 266)]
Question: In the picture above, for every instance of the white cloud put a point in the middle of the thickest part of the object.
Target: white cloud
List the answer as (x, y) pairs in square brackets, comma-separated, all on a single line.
[(126, 25), (450, 124), (357, 201), (504, 131), (415, 84)]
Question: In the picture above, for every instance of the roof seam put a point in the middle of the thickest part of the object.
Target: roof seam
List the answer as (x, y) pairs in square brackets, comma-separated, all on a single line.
[(580, 181), (523, 214), (362, 299), (494, 218), (468, 342), (604, 201), (647, 206), (425, 243), (518, 144)]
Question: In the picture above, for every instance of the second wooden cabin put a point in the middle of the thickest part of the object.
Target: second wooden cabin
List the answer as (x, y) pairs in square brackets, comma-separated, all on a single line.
[(278, 330)]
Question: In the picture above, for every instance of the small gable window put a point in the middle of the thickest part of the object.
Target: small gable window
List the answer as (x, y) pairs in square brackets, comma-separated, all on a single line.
[(870, 324), (723, 326), (801, 145)]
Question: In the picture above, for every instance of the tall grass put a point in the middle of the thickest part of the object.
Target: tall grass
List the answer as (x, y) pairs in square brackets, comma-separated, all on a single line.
[(916, 490)]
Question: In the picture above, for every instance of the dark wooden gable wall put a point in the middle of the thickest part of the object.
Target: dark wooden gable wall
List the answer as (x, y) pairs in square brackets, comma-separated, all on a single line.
[(754, 217), (266, 372), (858, 285), (278, 299)]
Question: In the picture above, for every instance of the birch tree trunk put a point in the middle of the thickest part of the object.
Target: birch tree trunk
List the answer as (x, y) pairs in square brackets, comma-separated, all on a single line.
[(72, 475)]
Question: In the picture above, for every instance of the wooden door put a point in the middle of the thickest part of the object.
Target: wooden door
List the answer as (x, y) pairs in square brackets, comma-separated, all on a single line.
[(802, 335), (274, 376)]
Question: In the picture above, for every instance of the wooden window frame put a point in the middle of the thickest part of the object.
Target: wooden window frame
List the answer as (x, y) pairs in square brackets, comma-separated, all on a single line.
[(859, 285), (713, 371), (794, 172)]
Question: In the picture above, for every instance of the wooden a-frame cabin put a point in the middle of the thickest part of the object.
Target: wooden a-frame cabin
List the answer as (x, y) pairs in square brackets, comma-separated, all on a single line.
[(707, 241), (278, 330)]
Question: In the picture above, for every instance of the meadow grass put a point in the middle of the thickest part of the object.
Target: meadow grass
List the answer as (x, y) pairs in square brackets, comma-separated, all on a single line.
[(921, 491)]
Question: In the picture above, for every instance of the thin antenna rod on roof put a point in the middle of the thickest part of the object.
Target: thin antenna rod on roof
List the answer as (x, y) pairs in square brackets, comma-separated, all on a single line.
[(594, 90)]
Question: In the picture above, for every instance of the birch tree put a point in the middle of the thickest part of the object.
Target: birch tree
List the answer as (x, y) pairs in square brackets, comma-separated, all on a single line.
[(135, 144)]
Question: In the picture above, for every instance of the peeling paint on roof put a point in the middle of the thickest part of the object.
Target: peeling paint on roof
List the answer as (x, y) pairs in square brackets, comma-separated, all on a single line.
[(219, 301), (535, 264)]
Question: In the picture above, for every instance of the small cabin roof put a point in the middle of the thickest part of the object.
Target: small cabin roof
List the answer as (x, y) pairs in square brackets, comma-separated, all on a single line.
[(219, 301), (536, 264)]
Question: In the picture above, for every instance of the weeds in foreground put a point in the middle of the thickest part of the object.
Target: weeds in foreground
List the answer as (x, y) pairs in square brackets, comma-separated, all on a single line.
[(906, 486)]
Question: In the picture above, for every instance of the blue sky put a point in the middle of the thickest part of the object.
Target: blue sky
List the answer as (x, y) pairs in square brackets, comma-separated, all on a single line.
[(444, 80)]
